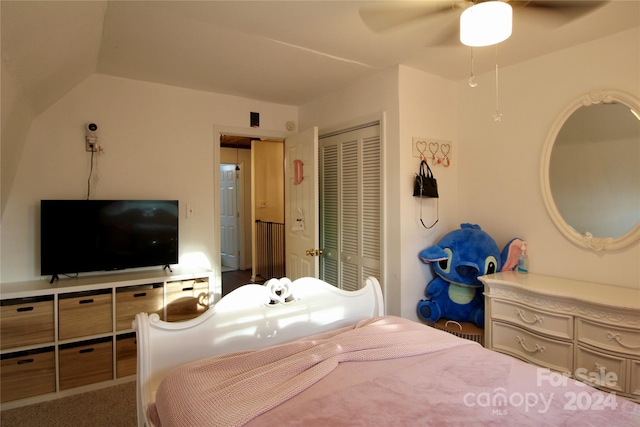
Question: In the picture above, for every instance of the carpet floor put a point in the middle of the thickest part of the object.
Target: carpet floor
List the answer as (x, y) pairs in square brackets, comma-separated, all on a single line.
[(109, 407)]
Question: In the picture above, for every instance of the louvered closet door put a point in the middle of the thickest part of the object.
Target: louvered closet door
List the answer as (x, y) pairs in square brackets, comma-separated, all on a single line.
[(350, 189)]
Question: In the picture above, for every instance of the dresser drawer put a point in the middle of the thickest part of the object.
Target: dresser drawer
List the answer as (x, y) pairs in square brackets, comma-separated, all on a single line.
[(518, 342), (609, 337), (603, 370), (132, 300), (26, 321), (27, 373), (634, 386), (556, 325), (84, 313)]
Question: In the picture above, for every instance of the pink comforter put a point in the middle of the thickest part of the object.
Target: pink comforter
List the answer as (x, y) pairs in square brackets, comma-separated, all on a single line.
[(421, 376)]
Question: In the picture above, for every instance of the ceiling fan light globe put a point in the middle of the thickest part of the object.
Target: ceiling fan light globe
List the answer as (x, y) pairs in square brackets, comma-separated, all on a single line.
[(486, 23)]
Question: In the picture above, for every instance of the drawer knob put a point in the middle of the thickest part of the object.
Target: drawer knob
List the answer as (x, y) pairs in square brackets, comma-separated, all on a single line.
[(23, 361), (21, 309), (617, 338), (85, 301), (537, 348), (536, 318)]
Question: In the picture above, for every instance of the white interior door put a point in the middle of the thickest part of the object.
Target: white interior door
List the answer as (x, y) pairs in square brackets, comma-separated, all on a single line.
[(301, 204), (228, 217)]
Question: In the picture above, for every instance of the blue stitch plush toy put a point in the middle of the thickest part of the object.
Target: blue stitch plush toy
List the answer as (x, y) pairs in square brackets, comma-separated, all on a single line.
[(458, 259)]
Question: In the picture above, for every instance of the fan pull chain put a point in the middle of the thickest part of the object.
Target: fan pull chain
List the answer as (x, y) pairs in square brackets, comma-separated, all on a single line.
[(472, 79), (497, 116)]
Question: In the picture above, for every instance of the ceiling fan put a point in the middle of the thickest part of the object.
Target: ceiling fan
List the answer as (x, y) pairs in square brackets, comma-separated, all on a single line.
[(392, 15)]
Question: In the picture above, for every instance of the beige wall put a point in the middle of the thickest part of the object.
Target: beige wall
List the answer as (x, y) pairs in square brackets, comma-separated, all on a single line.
[(158, 143), (416, 105), (499, 162), (16, 120), (494, 176), (369, 99)]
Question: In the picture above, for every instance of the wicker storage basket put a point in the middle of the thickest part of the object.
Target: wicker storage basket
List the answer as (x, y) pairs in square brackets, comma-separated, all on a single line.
[(464, 330)]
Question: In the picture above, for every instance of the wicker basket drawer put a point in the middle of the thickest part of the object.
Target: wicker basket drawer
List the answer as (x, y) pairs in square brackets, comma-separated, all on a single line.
[(126, 355), (187, 299), (609, 337), (553, 354), (132, 300), (84, 313), (86, 362), (464, 330), (26, 321), (27, 373), (552, 324)]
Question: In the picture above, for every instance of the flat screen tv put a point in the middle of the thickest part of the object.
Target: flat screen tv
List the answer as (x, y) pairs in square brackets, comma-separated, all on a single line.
[(79, 236)]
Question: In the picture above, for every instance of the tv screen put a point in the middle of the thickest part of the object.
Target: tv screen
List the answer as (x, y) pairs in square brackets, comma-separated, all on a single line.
[(79, 236)]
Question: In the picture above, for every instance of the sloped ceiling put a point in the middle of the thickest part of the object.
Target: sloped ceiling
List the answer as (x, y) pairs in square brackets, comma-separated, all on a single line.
[(50, 46), (288, 52)]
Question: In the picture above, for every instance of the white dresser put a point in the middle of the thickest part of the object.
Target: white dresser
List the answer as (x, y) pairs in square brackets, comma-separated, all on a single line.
[(588, 330)]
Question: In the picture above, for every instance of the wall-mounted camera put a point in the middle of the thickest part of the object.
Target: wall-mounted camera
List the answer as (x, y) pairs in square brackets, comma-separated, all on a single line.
[(91, 141)]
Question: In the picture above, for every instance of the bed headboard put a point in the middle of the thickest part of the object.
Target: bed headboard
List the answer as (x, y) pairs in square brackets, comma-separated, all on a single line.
[(250, 317)]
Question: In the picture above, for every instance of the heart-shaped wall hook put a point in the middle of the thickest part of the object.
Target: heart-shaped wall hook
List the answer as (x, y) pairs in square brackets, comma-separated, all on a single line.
[(421, 146), (433, 148), (445, 149)]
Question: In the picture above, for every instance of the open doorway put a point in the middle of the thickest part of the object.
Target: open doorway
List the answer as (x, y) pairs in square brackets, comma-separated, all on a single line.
[(251, 190)]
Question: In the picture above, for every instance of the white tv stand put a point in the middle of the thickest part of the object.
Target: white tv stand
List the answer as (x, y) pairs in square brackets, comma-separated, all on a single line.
[(75, 335)]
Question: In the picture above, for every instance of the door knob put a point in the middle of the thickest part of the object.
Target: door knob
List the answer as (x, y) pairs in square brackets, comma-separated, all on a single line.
[(313, 252)]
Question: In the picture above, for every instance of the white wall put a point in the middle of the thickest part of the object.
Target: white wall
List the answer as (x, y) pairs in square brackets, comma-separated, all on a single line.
[(416, 104), (493, 179), (158, 143), (427, 110), (358, 104), (499, 162)]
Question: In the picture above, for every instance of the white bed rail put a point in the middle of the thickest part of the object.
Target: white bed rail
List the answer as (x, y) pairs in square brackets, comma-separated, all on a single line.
[(250, 317)]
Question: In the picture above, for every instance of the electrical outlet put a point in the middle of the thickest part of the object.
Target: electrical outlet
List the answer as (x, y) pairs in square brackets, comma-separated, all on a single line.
[(91, 144)]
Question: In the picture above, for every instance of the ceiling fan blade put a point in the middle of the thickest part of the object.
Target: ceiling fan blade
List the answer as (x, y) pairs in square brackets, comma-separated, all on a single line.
[(556, 12), (385, 16), (449, 37)]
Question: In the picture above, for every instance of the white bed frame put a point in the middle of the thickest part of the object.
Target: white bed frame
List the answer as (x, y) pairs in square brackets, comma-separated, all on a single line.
[(250, 317)]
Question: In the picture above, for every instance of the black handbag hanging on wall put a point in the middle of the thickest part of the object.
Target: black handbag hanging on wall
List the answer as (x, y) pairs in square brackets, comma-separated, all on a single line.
[(425, 185)]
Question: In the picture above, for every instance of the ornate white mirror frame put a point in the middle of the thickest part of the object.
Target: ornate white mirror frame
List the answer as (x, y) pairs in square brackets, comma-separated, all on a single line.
[(586, 240)]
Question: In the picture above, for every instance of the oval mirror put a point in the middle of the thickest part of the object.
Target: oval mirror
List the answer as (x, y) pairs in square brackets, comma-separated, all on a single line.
[(590, 171)]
